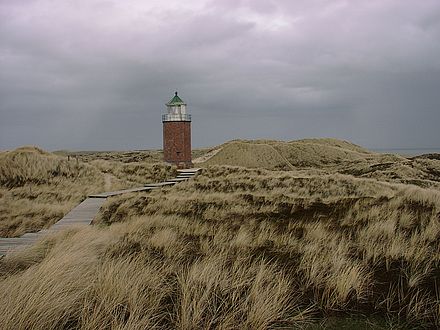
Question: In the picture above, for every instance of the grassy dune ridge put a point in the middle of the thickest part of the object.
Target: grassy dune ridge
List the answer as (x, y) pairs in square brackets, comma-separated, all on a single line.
[(244, 248), (282, 155), (328, 156)]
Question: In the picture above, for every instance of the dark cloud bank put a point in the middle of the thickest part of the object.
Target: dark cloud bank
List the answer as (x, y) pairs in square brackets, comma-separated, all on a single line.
[(96, 74)]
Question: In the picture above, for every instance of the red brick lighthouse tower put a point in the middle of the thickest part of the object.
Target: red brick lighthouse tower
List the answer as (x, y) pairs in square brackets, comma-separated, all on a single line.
[(177, 133)]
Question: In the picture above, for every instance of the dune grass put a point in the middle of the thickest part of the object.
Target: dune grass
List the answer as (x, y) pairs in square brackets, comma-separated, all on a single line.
[(242, 248), (37, 188), (328, 156), (238, 248), (279, 155)]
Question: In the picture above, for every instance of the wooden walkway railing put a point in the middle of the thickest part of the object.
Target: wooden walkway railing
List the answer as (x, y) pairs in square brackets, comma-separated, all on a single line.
[(84, 213)]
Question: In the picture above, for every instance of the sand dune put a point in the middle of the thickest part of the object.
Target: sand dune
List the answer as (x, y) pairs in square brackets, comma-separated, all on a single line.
[(272, 155)]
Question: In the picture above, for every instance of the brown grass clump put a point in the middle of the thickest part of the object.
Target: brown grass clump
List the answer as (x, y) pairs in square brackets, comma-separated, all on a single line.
[(134, 156), (144, 156), (238, 248), (109, 284), (37, 188), (242, 248)]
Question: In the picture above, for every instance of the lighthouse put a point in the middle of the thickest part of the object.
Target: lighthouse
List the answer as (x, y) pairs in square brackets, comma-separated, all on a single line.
[(177, 133)]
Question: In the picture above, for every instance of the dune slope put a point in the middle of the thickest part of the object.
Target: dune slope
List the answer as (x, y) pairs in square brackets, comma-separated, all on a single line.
[(286, 155)]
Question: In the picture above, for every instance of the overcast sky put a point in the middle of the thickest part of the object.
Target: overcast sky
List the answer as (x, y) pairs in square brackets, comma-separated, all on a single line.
[(95, 75)]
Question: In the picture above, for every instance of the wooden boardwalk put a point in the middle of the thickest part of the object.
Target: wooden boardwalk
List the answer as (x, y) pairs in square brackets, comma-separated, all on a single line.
[(84, 213), (119, 192)]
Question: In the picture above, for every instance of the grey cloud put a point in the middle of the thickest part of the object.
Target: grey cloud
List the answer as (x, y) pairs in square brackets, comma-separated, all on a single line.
[(96, 74)]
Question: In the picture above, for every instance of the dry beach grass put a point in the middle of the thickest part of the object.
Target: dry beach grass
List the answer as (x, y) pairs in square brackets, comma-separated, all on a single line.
[(243, 248), (37, 188)]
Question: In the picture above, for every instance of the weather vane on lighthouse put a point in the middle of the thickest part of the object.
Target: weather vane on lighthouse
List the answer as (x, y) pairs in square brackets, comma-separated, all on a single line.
[(177, 133)]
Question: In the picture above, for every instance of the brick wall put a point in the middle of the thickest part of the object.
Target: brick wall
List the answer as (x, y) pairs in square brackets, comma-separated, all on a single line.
[(177, 142)]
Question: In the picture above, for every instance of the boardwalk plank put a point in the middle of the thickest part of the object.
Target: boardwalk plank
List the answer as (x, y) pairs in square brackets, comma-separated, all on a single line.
[(120, 192), (177, 180), (160, 184), (84, 213)]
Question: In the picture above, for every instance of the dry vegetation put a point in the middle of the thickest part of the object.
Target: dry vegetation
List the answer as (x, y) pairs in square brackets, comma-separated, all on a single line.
[(245, 248), (278, 155), (328, 156), (148, 156), (37, 188)]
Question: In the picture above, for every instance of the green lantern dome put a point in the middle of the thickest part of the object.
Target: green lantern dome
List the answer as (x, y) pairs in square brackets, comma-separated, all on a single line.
[(176, 100)]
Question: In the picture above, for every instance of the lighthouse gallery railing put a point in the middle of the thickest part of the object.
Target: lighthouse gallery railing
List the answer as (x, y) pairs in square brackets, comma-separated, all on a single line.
[(182, 117)]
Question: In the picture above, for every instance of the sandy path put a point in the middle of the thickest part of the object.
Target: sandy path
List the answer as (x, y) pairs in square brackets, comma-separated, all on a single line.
[(107, 181), (206, 156)]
